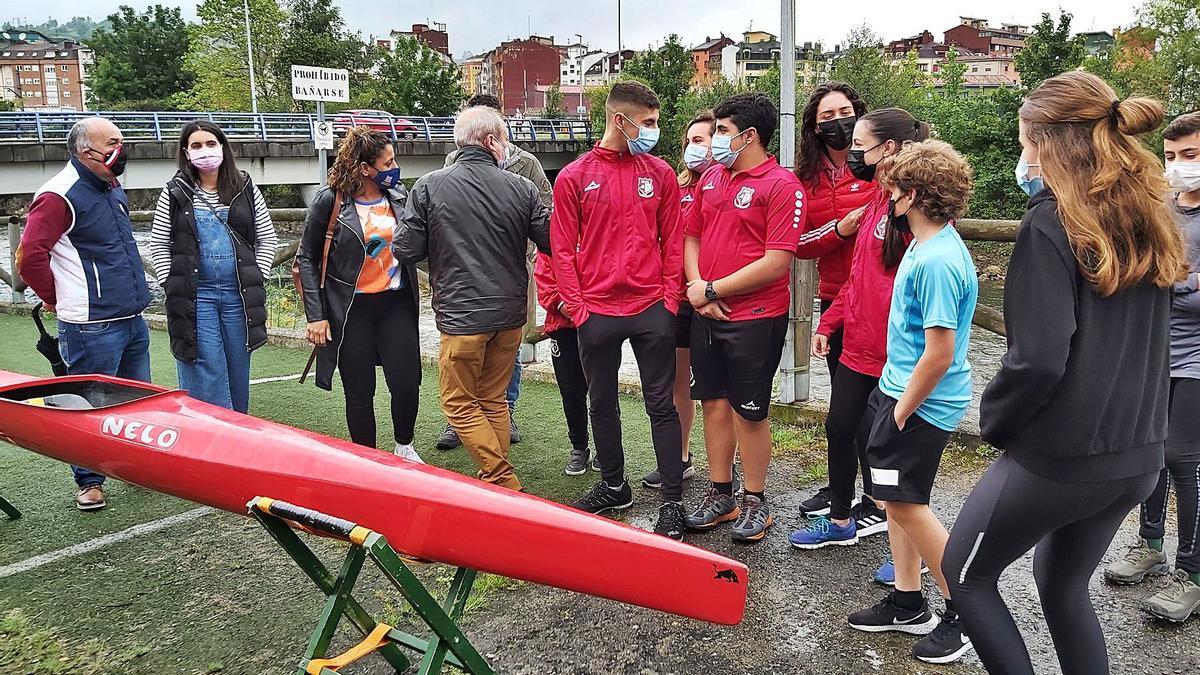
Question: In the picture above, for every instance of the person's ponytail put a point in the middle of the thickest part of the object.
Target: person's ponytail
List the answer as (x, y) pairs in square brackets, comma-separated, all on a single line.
[(896, 125)]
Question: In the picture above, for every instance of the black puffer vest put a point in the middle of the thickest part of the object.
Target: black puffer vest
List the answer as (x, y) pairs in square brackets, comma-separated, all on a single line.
[(180, 287)]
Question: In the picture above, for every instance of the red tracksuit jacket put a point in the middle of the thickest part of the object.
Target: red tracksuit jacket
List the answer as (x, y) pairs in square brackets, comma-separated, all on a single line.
[(829, 201), (616, 235), (862, 306)]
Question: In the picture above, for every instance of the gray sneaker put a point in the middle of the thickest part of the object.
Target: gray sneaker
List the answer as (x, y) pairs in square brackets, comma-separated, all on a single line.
[(1179, 600), (754, 521), (1140, 560), (714, 510)]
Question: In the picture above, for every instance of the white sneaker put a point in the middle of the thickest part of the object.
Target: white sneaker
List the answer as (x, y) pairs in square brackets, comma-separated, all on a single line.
[(407, 452)]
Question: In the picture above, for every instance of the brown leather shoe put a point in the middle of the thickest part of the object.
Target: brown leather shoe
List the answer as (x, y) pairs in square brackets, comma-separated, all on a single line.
[(90, 499)]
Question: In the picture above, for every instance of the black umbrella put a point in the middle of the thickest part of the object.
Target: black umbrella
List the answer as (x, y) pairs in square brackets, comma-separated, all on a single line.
[(47, 344)]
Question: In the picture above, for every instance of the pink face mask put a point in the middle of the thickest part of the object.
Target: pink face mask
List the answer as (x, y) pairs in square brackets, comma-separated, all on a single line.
[(206, 159)]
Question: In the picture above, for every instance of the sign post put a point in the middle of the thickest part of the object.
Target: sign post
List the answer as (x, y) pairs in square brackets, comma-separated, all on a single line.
[(310, 83)]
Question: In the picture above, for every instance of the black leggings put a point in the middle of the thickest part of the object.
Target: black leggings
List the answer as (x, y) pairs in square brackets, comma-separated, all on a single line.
[(1072, 524), (834, 357), (1183, 469), (381, 329), (846, 432), (572, 384)]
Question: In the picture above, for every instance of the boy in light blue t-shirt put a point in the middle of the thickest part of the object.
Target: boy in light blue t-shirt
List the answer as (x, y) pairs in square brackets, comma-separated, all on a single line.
[(925, 388)]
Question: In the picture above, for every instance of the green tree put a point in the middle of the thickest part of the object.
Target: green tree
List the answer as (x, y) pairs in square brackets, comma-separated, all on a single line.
[(414, 80), (316, 35), (1177, 26), (554, 109), (667, 70), (140, 57), (1049, 51), (881, 83), (953, 75), (217, 57)]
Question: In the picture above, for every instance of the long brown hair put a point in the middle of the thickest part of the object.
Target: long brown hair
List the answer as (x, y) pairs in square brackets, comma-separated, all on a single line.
[(811, 148), (896, 125), (1110, 189), (361, 145), (686, 176)]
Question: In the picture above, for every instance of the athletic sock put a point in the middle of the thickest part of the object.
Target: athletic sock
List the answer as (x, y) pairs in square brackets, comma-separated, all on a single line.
[(1155, 544), (1195, 577), (910, 600), (950, 608), (762, 496), (725, 488), (616, 487)]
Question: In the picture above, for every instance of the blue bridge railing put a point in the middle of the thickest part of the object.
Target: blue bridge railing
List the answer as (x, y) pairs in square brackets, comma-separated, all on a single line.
[(52, 127)]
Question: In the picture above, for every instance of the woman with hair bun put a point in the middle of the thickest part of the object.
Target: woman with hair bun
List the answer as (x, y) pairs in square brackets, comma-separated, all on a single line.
[(1079, 405)]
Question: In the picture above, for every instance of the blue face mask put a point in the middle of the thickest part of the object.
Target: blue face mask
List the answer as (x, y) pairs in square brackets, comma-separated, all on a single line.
[(1031, 186), (722, 151), (644, 142), (387, 179), (697, 157)]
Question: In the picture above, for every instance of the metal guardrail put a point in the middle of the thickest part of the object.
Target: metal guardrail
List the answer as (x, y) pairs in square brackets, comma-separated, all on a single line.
[(52, 127)]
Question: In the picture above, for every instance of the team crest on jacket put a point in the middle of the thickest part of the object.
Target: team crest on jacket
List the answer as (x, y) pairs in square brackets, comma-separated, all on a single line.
[(645, 187), (744, 197), (881, 228)]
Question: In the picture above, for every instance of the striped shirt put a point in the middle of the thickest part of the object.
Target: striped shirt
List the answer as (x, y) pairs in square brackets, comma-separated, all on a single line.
[(160, 232)]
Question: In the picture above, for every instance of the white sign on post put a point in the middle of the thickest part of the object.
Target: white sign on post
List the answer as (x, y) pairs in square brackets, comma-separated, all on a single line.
[(310, 83), (581, 110), (323, 135)]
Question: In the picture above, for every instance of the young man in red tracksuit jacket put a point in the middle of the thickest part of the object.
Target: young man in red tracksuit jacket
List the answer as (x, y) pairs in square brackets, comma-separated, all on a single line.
[(740, 239), (617, 257)]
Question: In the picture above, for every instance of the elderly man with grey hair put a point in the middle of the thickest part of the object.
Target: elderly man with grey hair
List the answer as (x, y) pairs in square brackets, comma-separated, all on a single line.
[(472, 221), (78, 254)]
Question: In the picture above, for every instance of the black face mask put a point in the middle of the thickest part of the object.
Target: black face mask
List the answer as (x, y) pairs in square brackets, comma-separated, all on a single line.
[(114, 159), (856, 161), (899, 222), (837, 134)]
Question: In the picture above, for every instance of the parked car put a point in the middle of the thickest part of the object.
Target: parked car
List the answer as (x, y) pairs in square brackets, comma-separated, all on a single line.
[(378, 120)]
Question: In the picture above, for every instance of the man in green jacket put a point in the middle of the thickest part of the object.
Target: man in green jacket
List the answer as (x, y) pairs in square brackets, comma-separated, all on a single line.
[(523, 163)]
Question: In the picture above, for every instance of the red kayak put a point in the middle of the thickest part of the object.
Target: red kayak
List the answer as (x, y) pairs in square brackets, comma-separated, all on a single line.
[(166, 441)]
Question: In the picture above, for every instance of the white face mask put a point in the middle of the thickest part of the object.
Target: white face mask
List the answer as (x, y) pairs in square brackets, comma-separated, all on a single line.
[(1184, 176)]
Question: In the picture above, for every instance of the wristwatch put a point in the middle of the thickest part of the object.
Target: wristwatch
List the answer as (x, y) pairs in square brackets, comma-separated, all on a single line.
[(710, 293)]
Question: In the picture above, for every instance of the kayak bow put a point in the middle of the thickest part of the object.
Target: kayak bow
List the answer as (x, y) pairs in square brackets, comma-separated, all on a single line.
[(166, 441)]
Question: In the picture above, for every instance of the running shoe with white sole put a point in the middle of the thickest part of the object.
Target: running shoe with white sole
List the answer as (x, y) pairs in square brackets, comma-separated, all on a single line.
[(886, 616), (577, 464), (1177, 601), (869, 518), (1139, 562), (602, 498), (886, 574), (946, 643), (820, 532), (653, 480), (818, 504)]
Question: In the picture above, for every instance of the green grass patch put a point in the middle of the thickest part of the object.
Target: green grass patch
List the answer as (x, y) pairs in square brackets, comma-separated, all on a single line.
[(29, 650)]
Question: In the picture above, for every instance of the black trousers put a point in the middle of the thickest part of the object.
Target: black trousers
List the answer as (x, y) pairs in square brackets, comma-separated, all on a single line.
[(847, 429), (652, 336), (833, 358), (1183, 469), (381, 329), (572, 384), (1010, 511)]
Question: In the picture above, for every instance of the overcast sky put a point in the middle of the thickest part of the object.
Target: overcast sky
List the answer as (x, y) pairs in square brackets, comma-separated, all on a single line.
[(479, 25)]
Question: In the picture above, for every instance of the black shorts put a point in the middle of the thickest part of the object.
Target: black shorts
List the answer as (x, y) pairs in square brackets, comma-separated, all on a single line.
[(737, 360), (683, 325), (904, 463)]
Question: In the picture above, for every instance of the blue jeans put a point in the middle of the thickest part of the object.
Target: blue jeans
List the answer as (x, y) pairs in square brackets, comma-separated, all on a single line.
[(514, 385), (220, 375), (120, 348)]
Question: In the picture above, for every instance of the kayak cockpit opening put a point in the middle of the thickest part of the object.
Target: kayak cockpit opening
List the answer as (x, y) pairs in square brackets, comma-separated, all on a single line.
[(69, 394)]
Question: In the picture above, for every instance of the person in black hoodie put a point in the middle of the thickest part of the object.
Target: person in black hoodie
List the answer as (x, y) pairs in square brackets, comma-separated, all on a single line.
[(362, 305), (1079, 405)]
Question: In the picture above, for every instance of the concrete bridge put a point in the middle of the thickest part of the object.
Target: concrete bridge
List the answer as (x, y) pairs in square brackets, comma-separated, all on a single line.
[(275, 149)]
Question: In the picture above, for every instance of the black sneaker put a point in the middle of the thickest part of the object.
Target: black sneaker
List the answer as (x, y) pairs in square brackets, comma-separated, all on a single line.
[(577, 465), (449, 440), (653, 480), (886, 616), (594, 465), (602, 498), (945, 644), (869, 517), (514, 434), (670, 521), (816, 505)]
